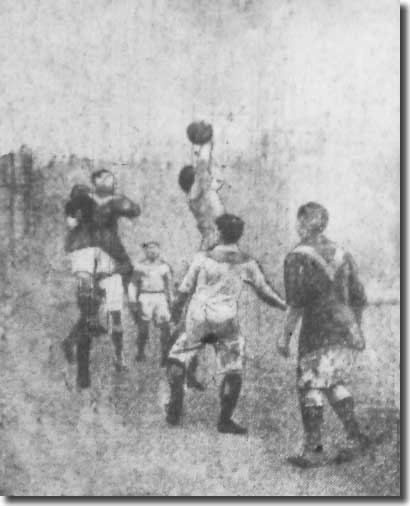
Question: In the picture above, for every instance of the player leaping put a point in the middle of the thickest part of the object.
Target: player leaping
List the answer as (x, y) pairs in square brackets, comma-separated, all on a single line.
[(201, 182)]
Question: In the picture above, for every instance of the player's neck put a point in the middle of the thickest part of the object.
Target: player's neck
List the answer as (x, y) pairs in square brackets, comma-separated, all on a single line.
[(152, 261), (315, 240)]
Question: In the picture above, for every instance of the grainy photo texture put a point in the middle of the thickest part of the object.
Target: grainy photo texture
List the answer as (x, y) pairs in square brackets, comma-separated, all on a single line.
[(200, 263)]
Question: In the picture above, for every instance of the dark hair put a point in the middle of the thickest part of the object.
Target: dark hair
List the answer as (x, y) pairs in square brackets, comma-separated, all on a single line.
[(83, 203), (186, 178), (230, 227), (79, 189), (314, 216), (98, 173)]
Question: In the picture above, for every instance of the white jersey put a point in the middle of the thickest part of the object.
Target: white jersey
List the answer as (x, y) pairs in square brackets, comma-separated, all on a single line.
[(205, 203), (153, 277), (216, 279)]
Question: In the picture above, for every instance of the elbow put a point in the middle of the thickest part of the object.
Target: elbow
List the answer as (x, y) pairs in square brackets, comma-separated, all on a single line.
[(279, 303)]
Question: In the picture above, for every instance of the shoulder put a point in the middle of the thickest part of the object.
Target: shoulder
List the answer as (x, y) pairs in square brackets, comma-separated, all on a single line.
[(295, 256), (164, 266), (140, 264)]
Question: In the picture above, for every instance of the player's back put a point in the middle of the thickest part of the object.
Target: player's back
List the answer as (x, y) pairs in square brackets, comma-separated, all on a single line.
[(322, 279), (203, 198), (205, 208), (221, 274)]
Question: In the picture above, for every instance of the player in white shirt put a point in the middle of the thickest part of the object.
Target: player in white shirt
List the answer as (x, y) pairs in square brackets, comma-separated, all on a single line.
[(151, 289), (201, 182), (213, 283)]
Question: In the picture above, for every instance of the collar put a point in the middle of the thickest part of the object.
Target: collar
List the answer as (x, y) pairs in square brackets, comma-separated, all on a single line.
[(101, 200)]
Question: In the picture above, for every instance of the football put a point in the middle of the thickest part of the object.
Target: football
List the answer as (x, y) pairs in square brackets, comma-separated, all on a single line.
[(199, 132)]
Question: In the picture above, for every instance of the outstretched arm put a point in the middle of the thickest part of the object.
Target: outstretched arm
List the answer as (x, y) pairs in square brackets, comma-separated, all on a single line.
[(263, 290), (357, 295), (295, 298), (293, 316)]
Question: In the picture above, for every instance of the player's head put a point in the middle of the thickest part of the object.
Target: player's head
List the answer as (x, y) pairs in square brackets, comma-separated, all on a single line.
[(79, 189), (230, 228), (103, 181), (312, 219), (151, 250), (186, 178)]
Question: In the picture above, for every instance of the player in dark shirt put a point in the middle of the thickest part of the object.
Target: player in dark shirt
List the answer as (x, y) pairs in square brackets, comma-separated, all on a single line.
[(96, 249), (324, 291)]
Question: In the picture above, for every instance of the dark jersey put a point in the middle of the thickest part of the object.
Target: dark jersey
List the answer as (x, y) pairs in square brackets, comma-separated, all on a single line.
[(322, 280), (81, 208), (107, 213), (98, 225)]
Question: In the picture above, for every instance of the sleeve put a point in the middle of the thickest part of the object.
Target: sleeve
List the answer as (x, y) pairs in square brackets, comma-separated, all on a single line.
[(124, 206), (295, 286), (256, 278), (69, 209), (189, 282), (357, 295)]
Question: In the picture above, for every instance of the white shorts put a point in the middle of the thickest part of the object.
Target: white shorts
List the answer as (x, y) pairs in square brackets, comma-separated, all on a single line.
[(96, 261), (154, 307), (326, 367), (229, 347), (92, 261), (114, 292)]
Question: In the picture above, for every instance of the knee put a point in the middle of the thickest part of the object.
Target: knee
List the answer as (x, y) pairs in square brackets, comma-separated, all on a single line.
[(339, 393), (164, 326), (232, 383), (311, 398), (175, 371)]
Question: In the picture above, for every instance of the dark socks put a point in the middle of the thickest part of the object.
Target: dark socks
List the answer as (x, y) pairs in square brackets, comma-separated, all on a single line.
[(312, 418), (83, 358), (117, 335), (344, 409), (165, 338), (142, 338), (229, 395), (176, 377)]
